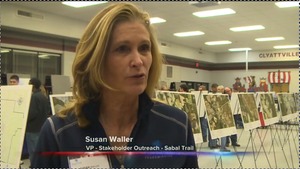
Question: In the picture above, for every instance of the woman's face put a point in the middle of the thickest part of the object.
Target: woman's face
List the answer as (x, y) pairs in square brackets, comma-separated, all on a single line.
[(129, 58)]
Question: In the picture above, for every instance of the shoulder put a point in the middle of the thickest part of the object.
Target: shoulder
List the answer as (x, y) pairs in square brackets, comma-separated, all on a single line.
[(60, 124), (38, 95), (170, 113)]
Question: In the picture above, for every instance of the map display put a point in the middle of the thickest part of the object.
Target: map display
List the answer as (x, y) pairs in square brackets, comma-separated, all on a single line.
[(60, 101), (185, 102), (219, 115), (15, 102)]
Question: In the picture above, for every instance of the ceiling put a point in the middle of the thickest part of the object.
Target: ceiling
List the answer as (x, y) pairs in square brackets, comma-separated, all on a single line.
[(277, 21)]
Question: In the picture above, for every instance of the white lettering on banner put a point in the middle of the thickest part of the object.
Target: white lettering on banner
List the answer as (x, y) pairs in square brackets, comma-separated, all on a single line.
[(278, 55)]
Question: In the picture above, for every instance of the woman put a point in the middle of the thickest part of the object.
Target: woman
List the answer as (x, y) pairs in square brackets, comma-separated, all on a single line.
[(116, 68)]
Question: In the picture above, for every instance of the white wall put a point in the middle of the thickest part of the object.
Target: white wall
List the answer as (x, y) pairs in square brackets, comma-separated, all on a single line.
[(67, 61), (259, 56), (51, 24), (185, 52), (185, 74)]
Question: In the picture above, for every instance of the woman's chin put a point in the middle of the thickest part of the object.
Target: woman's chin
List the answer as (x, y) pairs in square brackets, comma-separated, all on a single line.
[(136, 90)]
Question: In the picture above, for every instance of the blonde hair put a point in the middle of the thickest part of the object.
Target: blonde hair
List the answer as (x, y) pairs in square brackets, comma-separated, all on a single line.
[(90, 55)]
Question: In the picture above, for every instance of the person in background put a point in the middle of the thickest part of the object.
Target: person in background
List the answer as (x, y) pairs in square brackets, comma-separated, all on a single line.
[(233, 137), (38, 112), (213, 143), (203, 120), (183, 88), (214, 88), (221, 89), (115, 70), (164, 87), (14, 80)]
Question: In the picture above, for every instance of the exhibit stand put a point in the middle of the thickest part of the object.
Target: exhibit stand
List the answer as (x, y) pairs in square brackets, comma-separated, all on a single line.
[(185, 102), (15, 102)]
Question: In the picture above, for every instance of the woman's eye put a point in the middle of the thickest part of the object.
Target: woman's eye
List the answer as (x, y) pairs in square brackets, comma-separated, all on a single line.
[(123, 49), (145, 48)]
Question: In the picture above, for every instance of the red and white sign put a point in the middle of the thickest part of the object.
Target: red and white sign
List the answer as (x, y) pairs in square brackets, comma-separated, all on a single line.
[(279, 77)]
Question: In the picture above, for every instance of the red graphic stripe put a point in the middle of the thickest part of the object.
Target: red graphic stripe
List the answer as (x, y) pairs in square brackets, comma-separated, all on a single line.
[(278, 77), (284, 77)]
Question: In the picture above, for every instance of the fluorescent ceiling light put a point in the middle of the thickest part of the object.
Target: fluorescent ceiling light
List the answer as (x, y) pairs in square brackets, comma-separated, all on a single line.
[(286, 46), (79, 4), (239, 49), (192, 33), (4, 50), (216, 12), (247, 28), (156, 20), (44, 56), (269, 39), (218, 42), (287, 4)]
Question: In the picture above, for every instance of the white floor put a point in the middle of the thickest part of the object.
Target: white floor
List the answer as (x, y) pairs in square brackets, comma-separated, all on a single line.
[(276, 146)]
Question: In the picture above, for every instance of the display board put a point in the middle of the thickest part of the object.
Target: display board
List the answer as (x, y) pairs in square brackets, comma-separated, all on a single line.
[(59, 101), (219, 115), (15, 102), (297, 101), (234, 102), (268, 108), (249, 110), (200, 102), (60, 84), (287, 105), (185, 102)]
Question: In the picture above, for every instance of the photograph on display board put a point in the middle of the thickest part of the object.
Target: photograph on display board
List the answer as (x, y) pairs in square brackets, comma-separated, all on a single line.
[(219, 115), (234, 102), (200, 102), (268, 109), (249, 111), (185, 102), (15, 101), (297, 101), (59, 101), (287, 106)]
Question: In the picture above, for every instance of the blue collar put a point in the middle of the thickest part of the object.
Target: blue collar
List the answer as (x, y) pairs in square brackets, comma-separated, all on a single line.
[(91, 109)]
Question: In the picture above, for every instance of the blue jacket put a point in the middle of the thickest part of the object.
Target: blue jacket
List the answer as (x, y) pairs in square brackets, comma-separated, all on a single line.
[(158, 125)]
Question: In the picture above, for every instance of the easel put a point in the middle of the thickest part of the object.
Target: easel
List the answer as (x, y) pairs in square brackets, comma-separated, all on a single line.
[(283, 133), (252, 138), (199, 104), (219, 160)]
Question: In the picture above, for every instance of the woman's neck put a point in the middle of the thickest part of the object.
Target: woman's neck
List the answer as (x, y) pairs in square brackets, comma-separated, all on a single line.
[(118, 114)]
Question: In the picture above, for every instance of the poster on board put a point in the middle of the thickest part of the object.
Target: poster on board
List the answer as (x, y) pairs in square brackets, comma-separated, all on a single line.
[(249, 111), (15, 101), (234, 102), (200, 102), (287, 106), (185, 102), (59, 101), (268, 108), (219, 115)]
